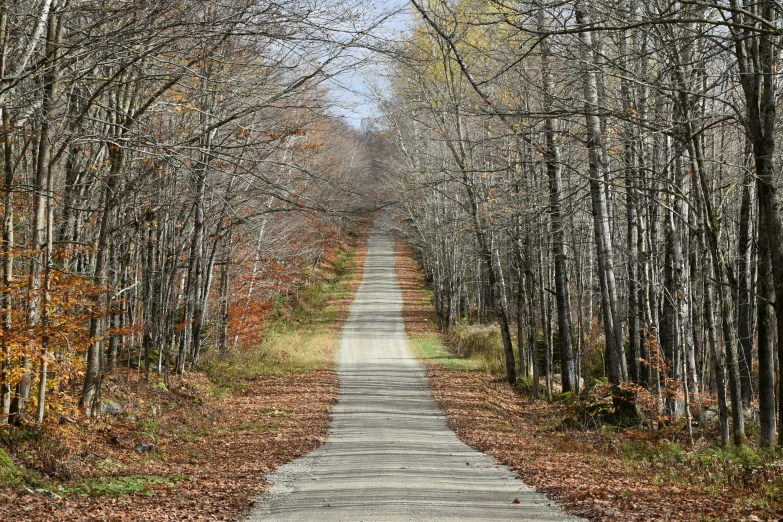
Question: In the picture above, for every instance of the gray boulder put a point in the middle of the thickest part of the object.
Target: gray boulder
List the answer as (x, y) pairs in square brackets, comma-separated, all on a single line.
[(111, 408)]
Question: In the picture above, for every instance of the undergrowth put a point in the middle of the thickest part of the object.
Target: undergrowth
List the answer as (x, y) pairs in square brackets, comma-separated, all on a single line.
[(121, 486), (300, 338), (481, 343), (743, 466), (12, 475), (466, 347), (430, 347)]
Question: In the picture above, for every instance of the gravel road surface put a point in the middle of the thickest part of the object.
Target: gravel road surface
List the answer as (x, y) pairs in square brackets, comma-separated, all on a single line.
[(390, 455)]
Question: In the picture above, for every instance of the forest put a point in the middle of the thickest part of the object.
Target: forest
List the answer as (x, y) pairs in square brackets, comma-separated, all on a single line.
[(590, 187), (169, 170), (601, 180)]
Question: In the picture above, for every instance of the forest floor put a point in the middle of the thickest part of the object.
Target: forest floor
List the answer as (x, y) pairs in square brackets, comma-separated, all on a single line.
[(601, 474), (196, 450)]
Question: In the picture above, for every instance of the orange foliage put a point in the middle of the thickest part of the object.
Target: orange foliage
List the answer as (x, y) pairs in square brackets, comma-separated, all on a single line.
[(64, 331)]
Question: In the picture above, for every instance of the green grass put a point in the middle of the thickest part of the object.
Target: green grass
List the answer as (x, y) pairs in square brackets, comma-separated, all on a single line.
[(469, 348), (122, 486), (19, 476), (12, 476), (712, 466), (150, 427), (428, 347), (481, 343)]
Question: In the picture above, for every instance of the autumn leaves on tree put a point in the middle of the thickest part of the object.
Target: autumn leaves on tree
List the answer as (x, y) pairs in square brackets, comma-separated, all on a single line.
[(169, 170), (599, 178), (604, 175)]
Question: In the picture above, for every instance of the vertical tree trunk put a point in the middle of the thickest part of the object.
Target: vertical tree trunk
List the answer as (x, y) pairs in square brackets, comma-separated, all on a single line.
[(630, 145), (744, 303), (498, 289), (724, 282), (562, 283), (765, 344), (149, 299), (523, 370), (546, 321), (195, 270), (7, 247), (757, 61), (91, 389), (113, 318), (717, 353), (531, 329), (225, 301), (615, 356), (37, 300)]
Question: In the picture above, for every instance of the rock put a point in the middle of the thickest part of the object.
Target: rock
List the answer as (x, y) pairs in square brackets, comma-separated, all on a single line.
[(5, 460), (707, 415), (143, 448), (44, 493), (111, 408)]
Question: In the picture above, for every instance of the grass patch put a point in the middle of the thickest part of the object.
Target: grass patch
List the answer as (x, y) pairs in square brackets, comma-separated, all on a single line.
[(287, 349), (468, 348), (18, 477), (482, 343), (122, 486), (743, 466), (190, 436), (150, 427), (429, 347)]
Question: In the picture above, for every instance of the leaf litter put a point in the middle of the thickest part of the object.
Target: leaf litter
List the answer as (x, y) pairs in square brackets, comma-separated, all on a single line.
[(584, 471), (204, 455)]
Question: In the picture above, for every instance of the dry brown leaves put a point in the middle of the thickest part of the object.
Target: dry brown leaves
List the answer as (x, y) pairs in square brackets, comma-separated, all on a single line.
[(222, 449), (581, 470), (219, 449), (417, 309)]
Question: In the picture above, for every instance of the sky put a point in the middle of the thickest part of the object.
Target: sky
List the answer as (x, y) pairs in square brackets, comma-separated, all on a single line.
[(351, 91)]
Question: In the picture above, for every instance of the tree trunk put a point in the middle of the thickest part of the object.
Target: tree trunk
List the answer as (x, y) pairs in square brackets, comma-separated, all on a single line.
[(7, 247), (757, 61), (562, 283), (90, 398), (615, 356), (744, 302), (765, 344)]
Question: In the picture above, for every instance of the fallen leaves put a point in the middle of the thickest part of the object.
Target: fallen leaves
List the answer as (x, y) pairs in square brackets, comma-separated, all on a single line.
[(580, 470), (224, 464), (576, 469), (203, 458)]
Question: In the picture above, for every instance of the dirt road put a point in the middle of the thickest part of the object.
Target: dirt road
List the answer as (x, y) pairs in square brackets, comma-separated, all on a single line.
[(390, 455)]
